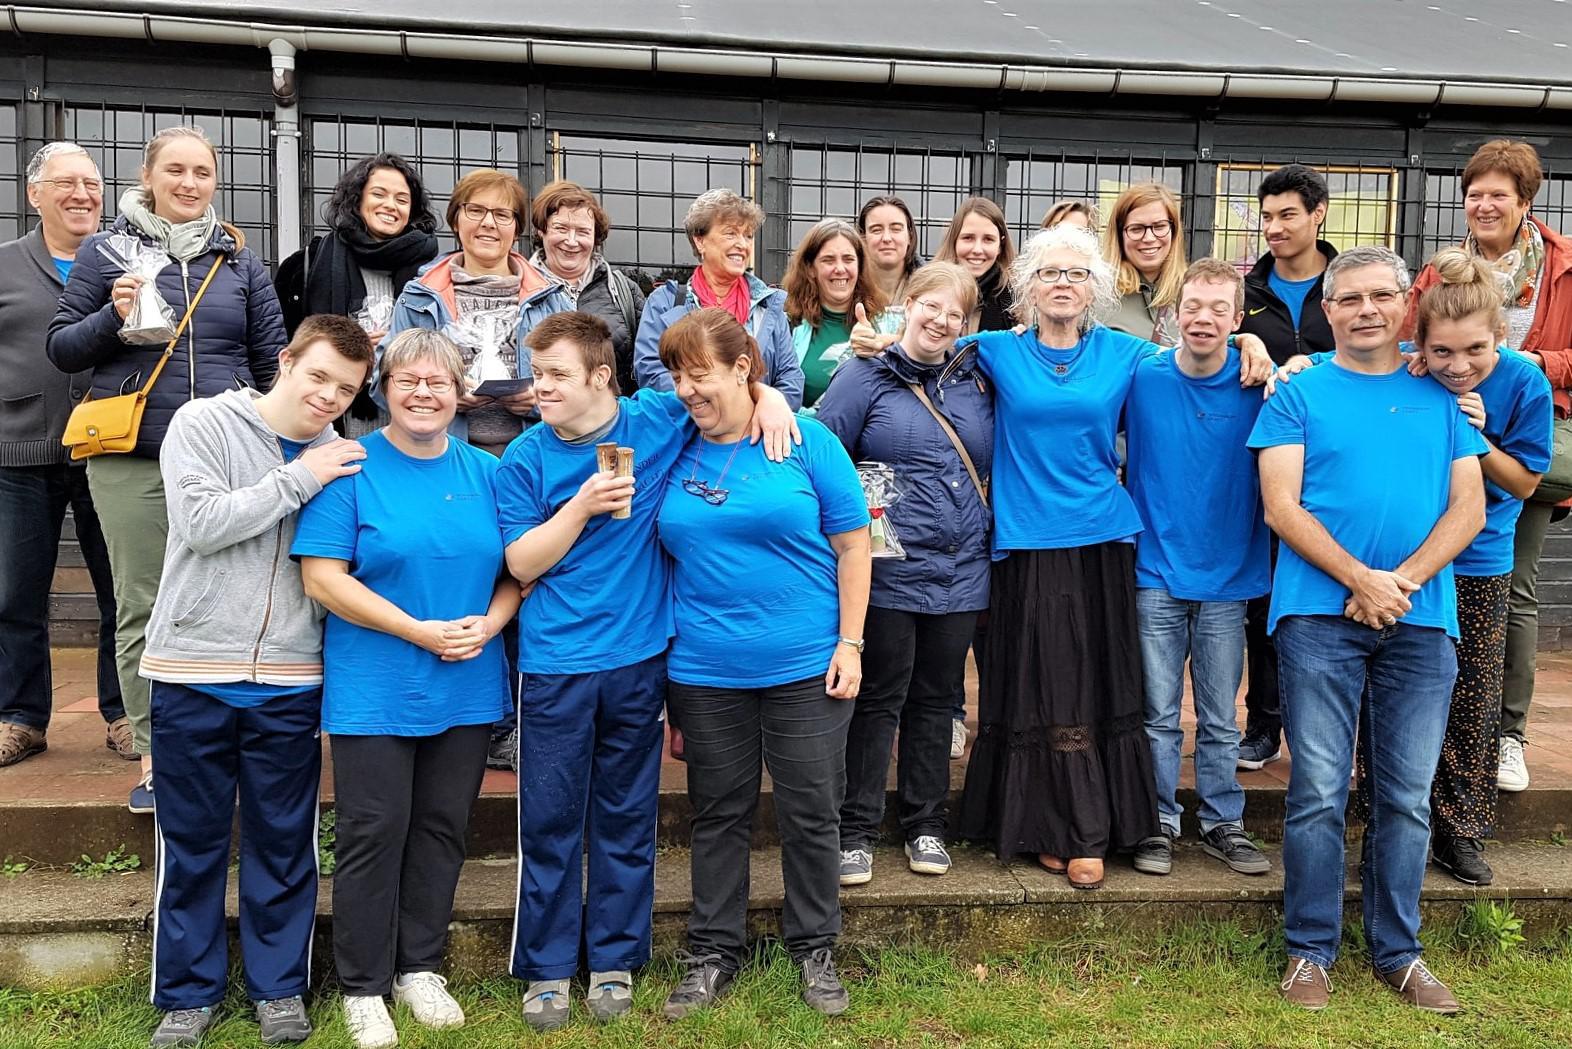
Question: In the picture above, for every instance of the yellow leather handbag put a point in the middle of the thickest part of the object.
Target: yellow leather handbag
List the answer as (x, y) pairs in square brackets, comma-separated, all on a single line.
[(109, 426)]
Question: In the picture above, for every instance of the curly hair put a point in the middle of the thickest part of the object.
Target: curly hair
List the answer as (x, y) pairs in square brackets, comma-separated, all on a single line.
[(1023, 274), (803, 304), (342, 209)]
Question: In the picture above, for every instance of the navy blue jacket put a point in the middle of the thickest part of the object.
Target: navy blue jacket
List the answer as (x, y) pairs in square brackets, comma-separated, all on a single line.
[(232, 340), (939, 518)]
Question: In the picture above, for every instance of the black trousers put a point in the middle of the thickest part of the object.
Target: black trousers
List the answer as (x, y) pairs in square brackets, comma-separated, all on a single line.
[(1263, 715), (33, 501), (913, 666), (800, 733), (402, 806)]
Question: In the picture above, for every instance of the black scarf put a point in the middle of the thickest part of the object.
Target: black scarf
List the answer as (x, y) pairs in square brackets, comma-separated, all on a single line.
[(993, 300), (334, 262)]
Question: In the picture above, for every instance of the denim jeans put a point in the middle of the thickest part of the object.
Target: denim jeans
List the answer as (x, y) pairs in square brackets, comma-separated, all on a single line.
[(1211, 635), (1405, 673), (800, 733), (33, 501), (914, 662)]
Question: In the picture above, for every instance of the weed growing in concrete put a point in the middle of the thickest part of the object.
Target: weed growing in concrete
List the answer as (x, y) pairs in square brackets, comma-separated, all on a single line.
[(327, 837), (1489, 928), (115, 861), (10, 868)]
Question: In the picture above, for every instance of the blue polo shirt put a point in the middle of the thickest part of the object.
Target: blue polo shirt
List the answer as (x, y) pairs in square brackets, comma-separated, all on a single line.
[(755, 595), (1056, 419), (1378, 465), (421, 533), (607, 603), (1194, 482)]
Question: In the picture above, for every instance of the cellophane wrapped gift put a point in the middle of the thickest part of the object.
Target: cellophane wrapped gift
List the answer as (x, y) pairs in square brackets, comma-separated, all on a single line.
[(880, 489), (152, 321), (485, 338), (375, 314)]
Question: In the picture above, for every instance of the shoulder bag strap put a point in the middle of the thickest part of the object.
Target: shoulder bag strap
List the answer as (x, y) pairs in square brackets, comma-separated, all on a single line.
[(955, 440), (169, 351)]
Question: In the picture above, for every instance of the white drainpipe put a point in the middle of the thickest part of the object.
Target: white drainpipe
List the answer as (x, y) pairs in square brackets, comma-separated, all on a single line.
[(845, 68), (286, 148)]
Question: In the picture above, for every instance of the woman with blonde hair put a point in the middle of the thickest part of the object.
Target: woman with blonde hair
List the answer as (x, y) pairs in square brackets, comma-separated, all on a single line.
[(829, 287), (1143, 242), (1075, 212)]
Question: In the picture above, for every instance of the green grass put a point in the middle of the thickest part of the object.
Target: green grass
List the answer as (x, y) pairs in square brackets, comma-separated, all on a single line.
[(1204, 986)]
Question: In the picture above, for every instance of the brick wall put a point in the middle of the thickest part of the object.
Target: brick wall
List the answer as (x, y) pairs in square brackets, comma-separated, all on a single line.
[(1555, 589)]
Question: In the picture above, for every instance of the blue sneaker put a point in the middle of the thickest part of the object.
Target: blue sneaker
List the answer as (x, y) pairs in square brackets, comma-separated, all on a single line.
[(141, 800)]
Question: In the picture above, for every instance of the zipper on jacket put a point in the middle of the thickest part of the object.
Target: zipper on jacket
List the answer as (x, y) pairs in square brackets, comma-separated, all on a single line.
[(272, 579)]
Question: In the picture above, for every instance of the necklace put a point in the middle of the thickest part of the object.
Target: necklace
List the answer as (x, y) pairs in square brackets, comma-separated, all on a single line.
[(716, 495)]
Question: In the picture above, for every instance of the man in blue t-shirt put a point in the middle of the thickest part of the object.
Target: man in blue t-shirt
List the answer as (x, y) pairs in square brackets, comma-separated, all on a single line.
[(1201, 554), (593, 633), (1371, 479), (1283, 307), (234, 654)]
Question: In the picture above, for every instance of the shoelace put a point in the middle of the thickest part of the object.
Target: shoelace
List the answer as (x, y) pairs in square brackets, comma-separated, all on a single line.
[(1305, 973), (278, 1007), (1419, 970), (821, 966), (927, 843), (362, 1018), (185, 1019), (430, 987), (693, 979), (853, 855)]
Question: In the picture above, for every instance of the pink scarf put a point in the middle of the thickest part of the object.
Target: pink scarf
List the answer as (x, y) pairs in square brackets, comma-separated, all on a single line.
[(737, 302)]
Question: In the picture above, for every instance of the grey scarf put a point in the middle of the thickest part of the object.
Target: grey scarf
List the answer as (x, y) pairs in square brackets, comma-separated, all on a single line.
[(184, 241)]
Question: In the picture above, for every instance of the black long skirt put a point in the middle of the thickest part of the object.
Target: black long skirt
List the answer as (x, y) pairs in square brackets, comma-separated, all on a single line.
[(1061, 764)]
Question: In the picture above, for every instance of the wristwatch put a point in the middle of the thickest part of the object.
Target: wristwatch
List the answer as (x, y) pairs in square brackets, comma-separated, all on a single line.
[(857, 643)]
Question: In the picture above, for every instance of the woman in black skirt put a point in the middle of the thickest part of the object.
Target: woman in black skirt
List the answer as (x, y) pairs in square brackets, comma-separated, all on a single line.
[(1061, 769)]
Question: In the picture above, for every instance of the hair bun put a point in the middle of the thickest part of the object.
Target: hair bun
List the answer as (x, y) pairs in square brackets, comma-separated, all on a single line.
[(1456, 266)]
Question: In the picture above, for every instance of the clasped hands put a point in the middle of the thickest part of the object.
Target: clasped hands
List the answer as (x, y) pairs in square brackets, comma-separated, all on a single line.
[(1378, 599), (454, 640)]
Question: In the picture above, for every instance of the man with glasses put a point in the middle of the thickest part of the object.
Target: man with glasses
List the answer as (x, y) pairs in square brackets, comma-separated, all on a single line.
[(37, 479), (1371, 479), (1288, 275)]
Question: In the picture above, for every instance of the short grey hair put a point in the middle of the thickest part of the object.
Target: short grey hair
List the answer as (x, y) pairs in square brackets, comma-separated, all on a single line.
[(1033, 256), (1365, 255), (717, 205), (413, 345), (41, 159)]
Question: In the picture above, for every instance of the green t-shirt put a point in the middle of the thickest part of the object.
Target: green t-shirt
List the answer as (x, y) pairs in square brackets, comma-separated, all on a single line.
[(816, 371)]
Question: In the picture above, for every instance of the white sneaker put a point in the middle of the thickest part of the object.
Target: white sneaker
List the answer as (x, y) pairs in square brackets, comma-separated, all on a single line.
[(428, 999), (1512, 775), (957, 738), (370, 1026)]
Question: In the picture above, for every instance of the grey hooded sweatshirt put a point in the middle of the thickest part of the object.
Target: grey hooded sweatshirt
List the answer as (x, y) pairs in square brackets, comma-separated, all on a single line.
[(230, 605)]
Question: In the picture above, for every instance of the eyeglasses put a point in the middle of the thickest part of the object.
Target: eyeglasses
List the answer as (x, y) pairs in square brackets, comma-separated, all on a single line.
[(713, 496), (66, 185), (951, 318), (1053, 275), (1160, 230), (503, 217), (1354, 299), (411, 383)]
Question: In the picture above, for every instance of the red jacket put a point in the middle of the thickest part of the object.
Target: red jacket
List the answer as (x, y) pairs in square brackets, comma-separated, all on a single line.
[(1550, 335)]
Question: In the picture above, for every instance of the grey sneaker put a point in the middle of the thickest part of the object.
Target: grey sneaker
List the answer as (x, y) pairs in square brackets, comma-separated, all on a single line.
[(546, 1004), (1230, 844), (503, 752), (1155, 855), (856, 866), (1257, 751), (610, 994), (821, 988), (182, 1027), (283, 1020), (925, 854), (702, 983)]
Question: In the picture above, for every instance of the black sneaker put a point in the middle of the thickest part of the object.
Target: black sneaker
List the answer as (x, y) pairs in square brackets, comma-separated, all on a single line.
[(1259, 749), (1462, 858), (702, 983), (1155, 855), (503, 753), (822, 990), (1230, 844)]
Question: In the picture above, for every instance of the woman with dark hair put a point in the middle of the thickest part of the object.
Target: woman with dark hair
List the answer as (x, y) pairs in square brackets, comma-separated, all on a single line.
[(827, 281), (383, 233), (889, 236), (979, 240)]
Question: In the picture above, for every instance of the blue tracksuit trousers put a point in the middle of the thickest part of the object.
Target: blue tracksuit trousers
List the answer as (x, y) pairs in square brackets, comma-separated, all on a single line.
[(589, 769), (203, 750)]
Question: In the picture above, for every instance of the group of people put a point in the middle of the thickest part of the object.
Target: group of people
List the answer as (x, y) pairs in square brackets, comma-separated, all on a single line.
[(556, 524)]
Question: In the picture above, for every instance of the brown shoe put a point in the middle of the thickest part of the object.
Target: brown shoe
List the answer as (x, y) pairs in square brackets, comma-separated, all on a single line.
[(1085, 873), (119, 738), (18, 742), (1306, 985), (1419, 988)]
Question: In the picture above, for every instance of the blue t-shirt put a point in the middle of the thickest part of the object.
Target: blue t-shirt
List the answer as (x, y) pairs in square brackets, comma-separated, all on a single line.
[(1194, 482), (1519, 419), (1292, 292), (1056, 418), (754, 586), (423, 534), (63, 267), (607, 603), (1378, 469)]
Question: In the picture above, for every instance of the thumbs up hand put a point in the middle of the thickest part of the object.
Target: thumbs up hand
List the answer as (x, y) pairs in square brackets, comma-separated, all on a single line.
[(865, 338)]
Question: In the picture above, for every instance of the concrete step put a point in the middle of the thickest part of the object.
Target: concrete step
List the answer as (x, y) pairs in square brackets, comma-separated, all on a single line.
[(60, 929), (53, 831)]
